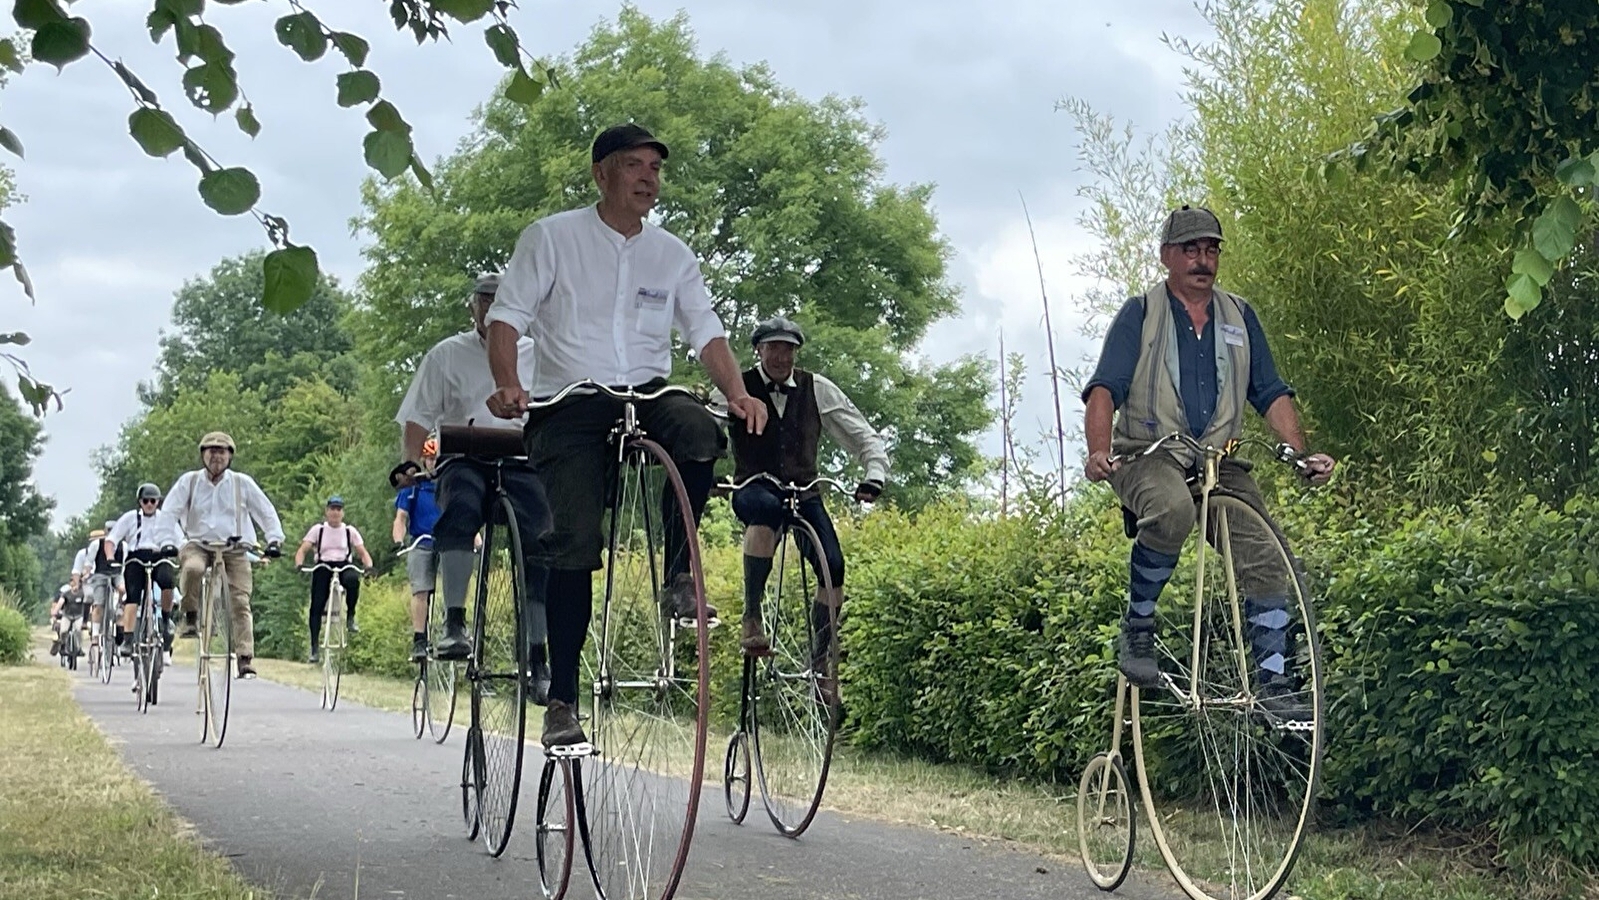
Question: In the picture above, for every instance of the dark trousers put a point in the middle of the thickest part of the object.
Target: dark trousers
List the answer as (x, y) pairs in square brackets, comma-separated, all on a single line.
[(761, 503), (322, 587), (136, 581)]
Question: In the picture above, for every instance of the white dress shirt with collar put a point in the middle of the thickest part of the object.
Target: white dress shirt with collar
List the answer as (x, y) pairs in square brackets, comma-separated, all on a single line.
[(841, 419), (233, 506), (453, 384), (600, 306), (141, 532)]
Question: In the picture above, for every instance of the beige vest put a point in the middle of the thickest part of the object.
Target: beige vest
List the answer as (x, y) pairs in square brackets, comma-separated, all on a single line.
[(1154, 406)]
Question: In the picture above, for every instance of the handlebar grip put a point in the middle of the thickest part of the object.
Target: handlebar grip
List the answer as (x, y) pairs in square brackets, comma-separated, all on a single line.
[(487, 443)]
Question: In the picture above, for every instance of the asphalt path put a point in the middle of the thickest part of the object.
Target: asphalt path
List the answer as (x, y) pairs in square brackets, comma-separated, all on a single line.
[(349, 805)]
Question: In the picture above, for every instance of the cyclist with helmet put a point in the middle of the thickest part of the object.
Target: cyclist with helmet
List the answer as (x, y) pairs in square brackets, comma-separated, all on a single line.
[(149, 535), (102, 569), (216, 504), (601, 290), (416, 513), (801, 405), (450, 388), (337, 542)]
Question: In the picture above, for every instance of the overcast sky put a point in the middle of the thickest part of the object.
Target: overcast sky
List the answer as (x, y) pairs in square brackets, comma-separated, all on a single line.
[(965, 91)]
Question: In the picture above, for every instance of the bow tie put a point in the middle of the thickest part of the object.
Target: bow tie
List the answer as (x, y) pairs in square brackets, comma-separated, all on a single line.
[(775, 388)]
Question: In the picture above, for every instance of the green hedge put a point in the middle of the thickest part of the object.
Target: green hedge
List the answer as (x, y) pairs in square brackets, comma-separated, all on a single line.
[(1463, 660), (1462, 650), (15, 637)]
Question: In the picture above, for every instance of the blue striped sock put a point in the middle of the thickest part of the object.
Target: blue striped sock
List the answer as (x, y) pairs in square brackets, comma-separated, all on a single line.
[(1148, 572)]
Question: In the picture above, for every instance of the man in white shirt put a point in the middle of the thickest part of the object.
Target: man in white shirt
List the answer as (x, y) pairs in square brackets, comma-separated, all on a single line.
[(802, 405), (149, 536), (451, 387), (215, 504), (102, 567), (336, 543), (600, 290)]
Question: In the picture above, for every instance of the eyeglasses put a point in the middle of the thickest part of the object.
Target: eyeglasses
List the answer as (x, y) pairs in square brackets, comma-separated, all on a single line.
[(1192, 250)]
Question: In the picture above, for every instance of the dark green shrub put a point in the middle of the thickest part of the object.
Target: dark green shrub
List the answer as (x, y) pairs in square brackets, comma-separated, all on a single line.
[(15, 637), (1464, 673)]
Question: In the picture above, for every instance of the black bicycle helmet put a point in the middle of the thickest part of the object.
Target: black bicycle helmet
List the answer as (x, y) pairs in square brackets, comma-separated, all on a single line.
[(148, 491), (777, 328)]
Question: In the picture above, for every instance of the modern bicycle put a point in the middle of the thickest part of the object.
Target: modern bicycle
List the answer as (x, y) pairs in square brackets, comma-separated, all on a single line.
[(789, 706), (335, 634), (71, 646), (1227, 782), (214, 658), (149, 643), (433, 696)]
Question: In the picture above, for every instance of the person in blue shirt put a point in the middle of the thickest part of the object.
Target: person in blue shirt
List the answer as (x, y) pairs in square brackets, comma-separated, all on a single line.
[(1187, 356), (416, 510)]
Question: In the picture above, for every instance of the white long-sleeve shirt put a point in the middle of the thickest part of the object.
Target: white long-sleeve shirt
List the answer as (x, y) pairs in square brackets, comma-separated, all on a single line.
[(600, 306), (232, 507), (82, 562), (453, 384), (146, 532), (841, 419)]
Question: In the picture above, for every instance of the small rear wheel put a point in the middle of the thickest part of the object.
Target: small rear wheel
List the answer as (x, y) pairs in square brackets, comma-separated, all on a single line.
[(1105, 825), (419, 702), (554, 840), (736, 777), (471, 784)]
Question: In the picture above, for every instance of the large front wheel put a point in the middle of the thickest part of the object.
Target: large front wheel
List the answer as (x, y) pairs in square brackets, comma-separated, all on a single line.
[(1229, 748), (496, 672), (795, 688), (645, 690), (334, 640), (215, 657)]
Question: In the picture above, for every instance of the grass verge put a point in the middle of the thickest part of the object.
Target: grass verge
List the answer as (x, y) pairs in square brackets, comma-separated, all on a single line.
[(1373, 862), (74, 822)]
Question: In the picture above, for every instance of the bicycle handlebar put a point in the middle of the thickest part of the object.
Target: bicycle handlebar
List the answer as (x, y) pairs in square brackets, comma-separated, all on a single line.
[(625, 394), (790, 487), (1282, 452), (332, 568), (415, 542)]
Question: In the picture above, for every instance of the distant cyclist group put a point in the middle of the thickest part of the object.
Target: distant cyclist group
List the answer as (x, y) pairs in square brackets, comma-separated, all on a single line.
[(572, 345)]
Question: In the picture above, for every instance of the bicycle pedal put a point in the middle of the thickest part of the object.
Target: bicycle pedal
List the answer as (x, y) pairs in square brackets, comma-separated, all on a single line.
[(570, 751), (689, 624)]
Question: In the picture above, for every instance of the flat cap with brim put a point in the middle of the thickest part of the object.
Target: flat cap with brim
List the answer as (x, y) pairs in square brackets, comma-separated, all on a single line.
[(1190, 223), (486, 284), (625, 137)]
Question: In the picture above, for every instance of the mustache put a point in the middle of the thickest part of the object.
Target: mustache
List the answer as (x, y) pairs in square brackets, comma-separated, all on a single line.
[(1201, 270)]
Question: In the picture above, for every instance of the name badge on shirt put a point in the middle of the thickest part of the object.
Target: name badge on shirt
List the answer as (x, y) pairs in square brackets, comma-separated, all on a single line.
[(651, 299), (1233, 335)]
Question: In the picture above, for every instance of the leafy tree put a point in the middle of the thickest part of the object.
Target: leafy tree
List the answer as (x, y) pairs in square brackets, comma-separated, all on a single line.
[(24, 511), (1504, 110), (218, 325), (782, 199), (211, 83)]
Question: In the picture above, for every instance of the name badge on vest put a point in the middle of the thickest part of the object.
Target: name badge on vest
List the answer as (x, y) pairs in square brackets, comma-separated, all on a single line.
[(1233, 335)]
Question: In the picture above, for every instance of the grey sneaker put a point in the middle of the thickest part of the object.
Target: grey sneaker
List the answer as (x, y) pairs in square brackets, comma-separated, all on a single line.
[(1135, 652), (246, 670), (679, 599), (314, 658), (455, 645), (1278, 699), (561, 728)]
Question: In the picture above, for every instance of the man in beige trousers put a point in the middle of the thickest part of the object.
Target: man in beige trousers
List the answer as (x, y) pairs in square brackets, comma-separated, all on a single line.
[(215, 504)]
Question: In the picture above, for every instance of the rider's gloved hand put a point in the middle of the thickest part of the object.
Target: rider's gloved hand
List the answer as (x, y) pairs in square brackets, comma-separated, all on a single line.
[(274, 549), (868, 491)]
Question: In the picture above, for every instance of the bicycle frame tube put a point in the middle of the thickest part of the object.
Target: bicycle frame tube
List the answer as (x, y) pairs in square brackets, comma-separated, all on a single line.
[(1211, 475)]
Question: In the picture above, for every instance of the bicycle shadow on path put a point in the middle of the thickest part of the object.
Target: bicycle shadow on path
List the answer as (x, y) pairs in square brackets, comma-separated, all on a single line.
[(347, 805)]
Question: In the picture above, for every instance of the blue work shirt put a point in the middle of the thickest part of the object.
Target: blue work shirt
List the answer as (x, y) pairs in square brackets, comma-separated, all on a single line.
[(1196, 362), (421, 505)]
